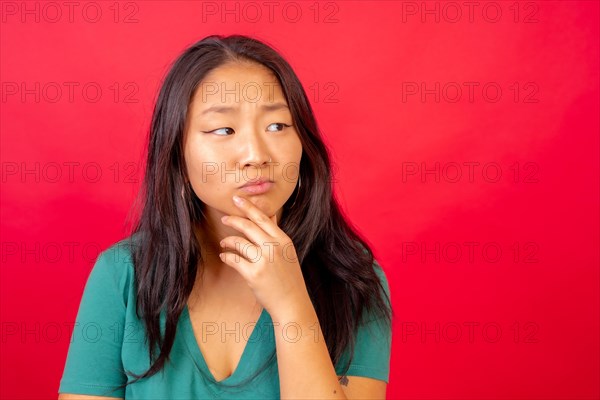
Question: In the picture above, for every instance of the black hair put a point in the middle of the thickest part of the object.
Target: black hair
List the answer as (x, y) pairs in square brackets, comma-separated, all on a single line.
[(337, 263)]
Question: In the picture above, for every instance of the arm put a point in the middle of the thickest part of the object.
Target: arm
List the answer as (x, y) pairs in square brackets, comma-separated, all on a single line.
[(94, 367), (305, 367), (360, 387)]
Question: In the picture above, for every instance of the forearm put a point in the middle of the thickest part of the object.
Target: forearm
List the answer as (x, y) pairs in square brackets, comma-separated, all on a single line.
[(305, 367)]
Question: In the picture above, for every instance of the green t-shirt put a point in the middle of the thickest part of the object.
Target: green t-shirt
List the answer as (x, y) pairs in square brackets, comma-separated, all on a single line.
[(108, 338)]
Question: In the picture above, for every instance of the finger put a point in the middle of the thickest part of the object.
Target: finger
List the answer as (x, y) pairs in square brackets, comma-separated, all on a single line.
[(245, 248), (239, 263), (249, 228), (256, 215)]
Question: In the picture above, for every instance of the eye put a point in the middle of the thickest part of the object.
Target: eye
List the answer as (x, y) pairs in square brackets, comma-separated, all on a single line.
[(282, 126), (215, 130)]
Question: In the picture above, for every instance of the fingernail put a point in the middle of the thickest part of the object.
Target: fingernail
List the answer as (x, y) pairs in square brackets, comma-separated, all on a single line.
[(238, 200)]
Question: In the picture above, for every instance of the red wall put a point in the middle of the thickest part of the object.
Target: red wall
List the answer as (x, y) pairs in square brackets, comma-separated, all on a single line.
[(465, 149)]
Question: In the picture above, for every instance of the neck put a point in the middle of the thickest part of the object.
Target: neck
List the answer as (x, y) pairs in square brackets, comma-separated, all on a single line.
[(212, 268), (209, 232)]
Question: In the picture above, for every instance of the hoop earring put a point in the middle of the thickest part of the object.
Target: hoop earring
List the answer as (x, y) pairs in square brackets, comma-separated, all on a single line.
[(298, 190)]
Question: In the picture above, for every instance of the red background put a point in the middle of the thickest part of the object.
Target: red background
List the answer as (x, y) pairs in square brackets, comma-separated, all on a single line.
[(356, 61)]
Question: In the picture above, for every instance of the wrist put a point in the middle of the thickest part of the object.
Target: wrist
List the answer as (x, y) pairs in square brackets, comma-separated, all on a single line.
[(301, 311)]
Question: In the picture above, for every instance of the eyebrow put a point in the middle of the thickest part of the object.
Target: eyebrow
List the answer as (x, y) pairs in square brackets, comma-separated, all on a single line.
[(227, 109)]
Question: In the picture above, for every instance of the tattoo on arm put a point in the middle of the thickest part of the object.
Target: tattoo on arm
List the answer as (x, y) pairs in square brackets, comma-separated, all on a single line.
[(344, 381)]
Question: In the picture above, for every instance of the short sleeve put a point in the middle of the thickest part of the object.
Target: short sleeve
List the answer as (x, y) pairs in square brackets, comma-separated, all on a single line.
[(93, 365), (373, 343)]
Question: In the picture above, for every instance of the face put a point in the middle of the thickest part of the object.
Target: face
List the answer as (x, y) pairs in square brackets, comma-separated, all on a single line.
[(238, 120)]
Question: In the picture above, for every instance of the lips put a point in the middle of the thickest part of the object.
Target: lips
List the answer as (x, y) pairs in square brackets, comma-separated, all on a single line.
[(257, 187), (256, 182)]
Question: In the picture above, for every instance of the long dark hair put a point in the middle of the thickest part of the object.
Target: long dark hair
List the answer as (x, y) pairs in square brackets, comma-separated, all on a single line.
[(337, 263)]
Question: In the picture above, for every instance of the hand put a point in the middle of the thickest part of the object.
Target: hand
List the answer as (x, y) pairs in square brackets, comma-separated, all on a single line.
[(267, 261)]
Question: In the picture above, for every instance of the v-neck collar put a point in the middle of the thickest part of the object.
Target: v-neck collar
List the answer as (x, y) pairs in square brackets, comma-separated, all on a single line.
[(241, 369)]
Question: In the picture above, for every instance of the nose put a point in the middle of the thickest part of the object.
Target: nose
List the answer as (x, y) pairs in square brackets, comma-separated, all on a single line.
[(255, 152)]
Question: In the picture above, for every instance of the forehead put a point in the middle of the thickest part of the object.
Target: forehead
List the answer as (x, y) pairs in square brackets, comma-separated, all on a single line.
[(237, 82)]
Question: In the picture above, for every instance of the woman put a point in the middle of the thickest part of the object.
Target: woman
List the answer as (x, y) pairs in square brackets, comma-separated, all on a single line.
[(164, 306)]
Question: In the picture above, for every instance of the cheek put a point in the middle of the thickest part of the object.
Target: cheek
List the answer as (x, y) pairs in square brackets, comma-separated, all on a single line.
[(201, 160), (289, 170), (210, 190), (296, 149), (293, 155), (289, 150), (203, 172)]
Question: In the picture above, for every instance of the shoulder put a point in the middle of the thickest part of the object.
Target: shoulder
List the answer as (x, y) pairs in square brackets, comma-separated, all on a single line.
[(94, 362), (119, 254), (372, 316), (380, 273), (382, 277), (117, 259), (113, 270), (372, 339)]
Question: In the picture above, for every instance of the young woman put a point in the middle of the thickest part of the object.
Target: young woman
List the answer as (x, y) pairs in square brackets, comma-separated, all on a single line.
[(282, 299)]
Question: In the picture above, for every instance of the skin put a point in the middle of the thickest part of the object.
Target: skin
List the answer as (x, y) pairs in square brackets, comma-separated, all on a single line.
[(242, 153), (274, 280)]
